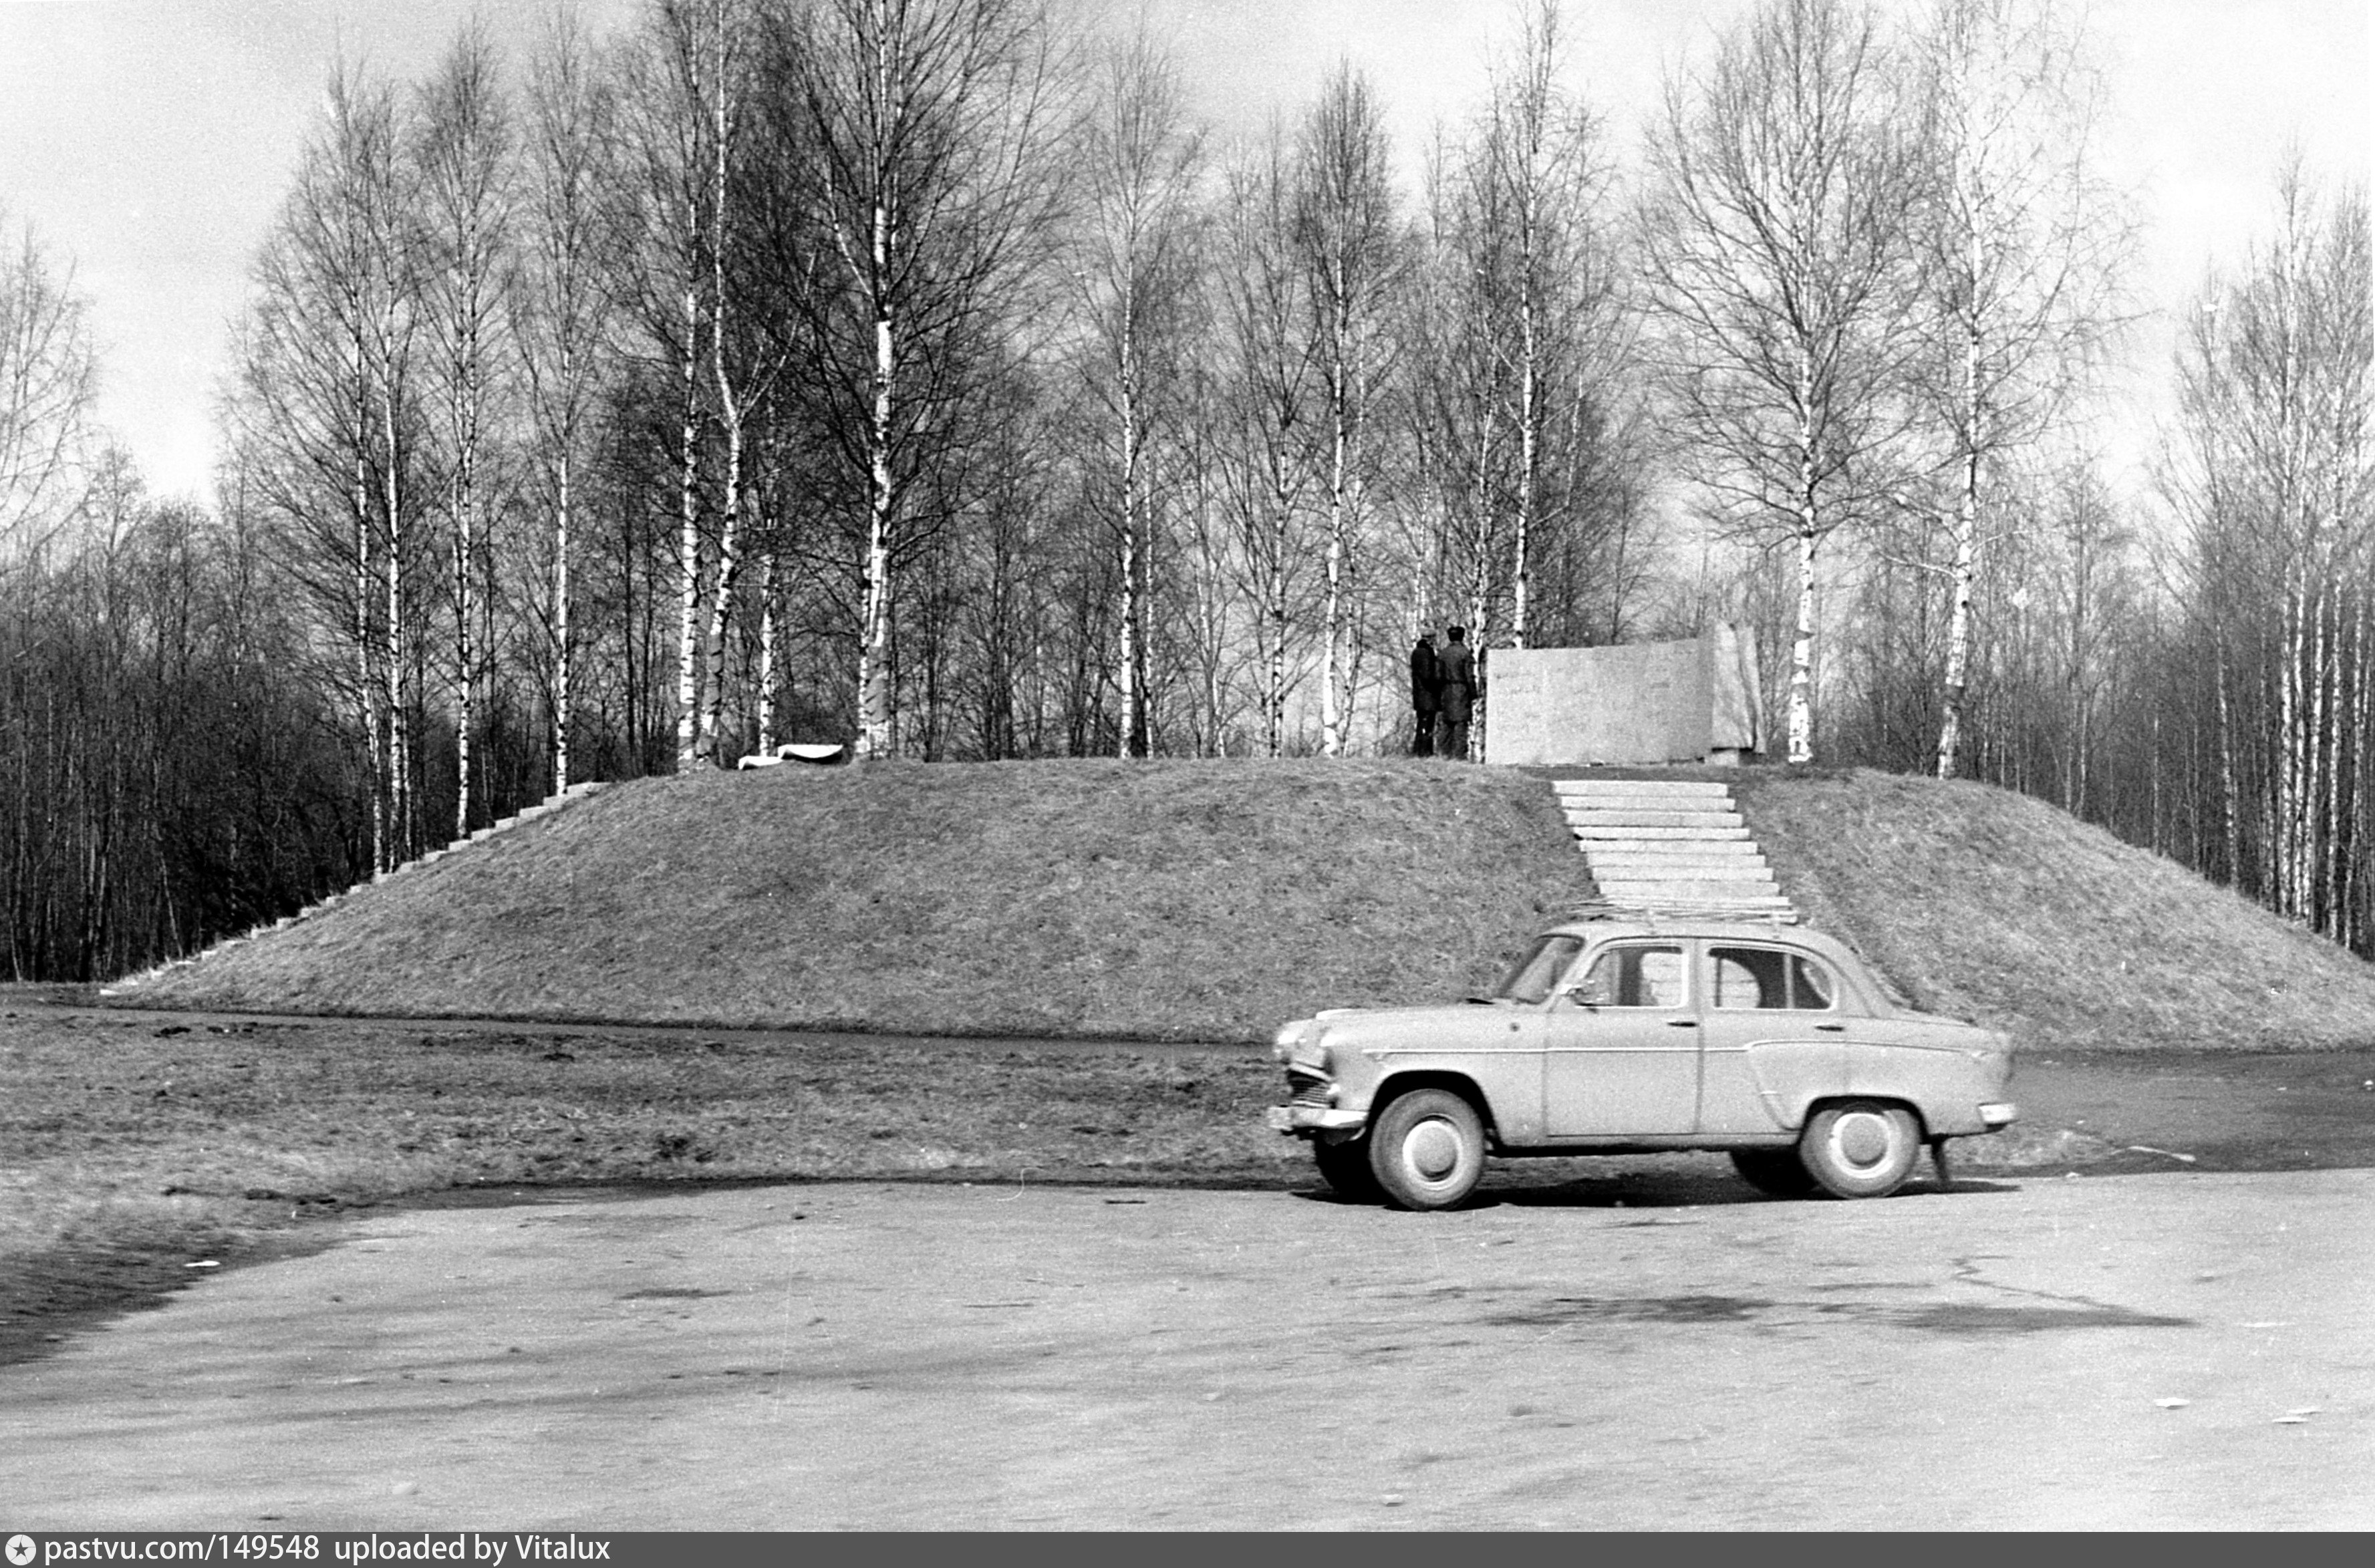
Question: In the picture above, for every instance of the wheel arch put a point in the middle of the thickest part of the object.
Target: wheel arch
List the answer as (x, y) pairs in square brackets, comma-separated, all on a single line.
[(1394, 1086), (1821, 1103)]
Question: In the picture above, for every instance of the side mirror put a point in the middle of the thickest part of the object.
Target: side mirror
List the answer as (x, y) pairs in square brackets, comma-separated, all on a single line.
[(1589, 993)]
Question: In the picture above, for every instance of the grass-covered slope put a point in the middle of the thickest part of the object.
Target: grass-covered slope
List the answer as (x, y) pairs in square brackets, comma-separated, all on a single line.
[(1209, 901), (1151, 899), (1982, 902)]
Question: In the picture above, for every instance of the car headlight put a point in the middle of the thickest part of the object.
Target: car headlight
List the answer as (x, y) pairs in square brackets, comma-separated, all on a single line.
[(1289, 1036)]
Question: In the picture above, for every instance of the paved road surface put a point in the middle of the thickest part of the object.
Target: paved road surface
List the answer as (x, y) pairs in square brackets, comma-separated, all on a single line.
[(2012, 1353)]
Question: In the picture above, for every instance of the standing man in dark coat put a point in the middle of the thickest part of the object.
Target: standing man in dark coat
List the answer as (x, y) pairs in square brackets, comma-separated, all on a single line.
[(1425, 677), (1457, 668)]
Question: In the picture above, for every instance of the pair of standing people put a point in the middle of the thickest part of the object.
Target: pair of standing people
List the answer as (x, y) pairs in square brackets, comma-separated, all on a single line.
[(1443, 692)]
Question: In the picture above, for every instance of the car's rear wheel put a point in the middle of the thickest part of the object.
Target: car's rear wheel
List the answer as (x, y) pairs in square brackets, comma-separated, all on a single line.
[(1345, 1168), (1861, 1148), (1427, 1149), (1778, 1171)]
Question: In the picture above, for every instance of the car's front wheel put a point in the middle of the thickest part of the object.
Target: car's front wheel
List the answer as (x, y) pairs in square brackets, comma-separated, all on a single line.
[(1427, 1149), (1861, 1148), (1345, 1168)]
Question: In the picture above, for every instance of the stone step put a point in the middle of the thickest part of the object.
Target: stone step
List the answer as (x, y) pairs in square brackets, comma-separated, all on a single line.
[(1678, 887), (1662, 788), (1628, 790), (1692, 898), (1728, 912), (1689, 871), (1594, 834), (1592, 819), (1677, 852), (1647, 808)]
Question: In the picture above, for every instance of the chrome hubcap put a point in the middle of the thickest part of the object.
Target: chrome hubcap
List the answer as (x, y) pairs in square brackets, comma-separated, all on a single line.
[(1863, 1139), (1433, 1150)]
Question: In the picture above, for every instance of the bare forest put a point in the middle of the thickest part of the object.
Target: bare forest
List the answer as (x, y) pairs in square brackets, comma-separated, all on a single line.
[(928, 376)]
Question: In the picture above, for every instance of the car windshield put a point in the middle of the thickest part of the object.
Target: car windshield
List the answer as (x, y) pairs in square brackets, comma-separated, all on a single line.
[(1532, 978)]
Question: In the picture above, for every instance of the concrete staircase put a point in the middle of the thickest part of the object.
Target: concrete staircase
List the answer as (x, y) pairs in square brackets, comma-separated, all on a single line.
[(1673, 847)]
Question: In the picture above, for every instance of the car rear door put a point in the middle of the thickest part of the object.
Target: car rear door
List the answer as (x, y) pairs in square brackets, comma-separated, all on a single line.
[(1772, 1030)]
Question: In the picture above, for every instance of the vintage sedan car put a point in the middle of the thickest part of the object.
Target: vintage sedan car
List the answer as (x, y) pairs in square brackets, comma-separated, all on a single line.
[(1628, 1036)]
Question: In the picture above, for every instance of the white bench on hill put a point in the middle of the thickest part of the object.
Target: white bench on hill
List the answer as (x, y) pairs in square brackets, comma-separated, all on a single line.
[(795, 751)]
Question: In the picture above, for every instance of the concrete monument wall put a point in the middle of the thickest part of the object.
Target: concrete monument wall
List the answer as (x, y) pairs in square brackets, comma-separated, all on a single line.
[(1636, 703)]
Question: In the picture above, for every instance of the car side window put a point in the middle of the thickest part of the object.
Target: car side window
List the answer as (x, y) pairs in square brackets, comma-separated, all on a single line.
[(1810, 985), (1749, 978), (1641, 976)]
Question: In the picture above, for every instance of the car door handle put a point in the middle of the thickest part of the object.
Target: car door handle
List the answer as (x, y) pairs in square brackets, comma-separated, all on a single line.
[(1682, 1023), (1832, 1028)]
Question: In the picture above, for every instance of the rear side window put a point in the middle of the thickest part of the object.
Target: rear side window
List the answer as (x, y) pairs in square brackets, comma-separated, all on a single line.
[(1810, 985), (1762, 978)]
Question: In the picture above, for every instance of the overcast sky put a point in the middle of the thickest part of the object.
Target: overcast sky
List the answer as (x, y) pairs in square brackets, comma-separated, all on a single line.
[(150, 140)]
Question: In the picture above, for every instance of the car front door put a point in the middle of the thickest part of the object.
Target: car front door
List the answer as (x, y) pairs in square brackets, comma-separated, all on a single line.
[(1627, 1063)]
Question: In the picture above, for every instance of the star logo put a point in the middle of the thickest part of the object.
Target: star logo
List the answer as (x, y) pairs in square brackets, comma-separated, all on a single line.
[(20, 1550)]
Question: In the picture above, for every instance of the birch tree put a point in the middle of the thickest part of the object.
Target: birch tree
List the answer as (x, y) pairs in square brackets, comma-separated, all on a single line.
[(1133, 266), (2019, 240), (1347, 235), (919, 134), (48, 376), (669, 133), (1772, 238), (1549, 274), (2272, 477), (564, 309), (1268, 383), (329, 419), (465, 147)]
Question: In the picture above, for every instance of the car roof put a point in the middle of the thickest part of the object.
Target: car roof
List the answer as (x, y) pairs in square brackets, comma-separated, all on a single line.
[(1709, 928)]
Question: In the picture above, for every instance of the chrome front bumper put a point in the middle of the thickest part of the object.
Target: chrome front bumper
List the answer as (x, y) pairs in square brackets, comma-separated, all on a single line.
[(1296, 1120)]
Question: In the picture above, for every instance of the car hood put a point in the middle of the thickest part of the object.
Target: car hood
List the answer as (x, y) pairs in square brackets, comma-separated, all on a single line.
[(1406, 1024)]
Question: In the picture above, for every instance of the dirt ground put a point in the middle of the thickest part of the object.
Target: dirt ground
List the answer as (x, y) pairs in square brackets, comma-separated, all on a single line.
[(2105, 1336), (2166, 1352)]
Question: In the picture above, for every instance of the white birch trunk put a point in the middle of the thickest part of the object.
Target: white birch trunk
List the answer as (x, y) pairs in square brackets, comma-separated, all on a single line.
[(688, 663), (399, 769), (1331, 619), (365, 677), (730, 420), (1958, 621), (2327, 750), (1802, 652), (2288, 731), (875, 736), (1529, 452), (562, 655), (1967, 558), (465, 673), (1132, 696), (1802, 646), (1274, 695), (2230, 793), (768, 738)]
